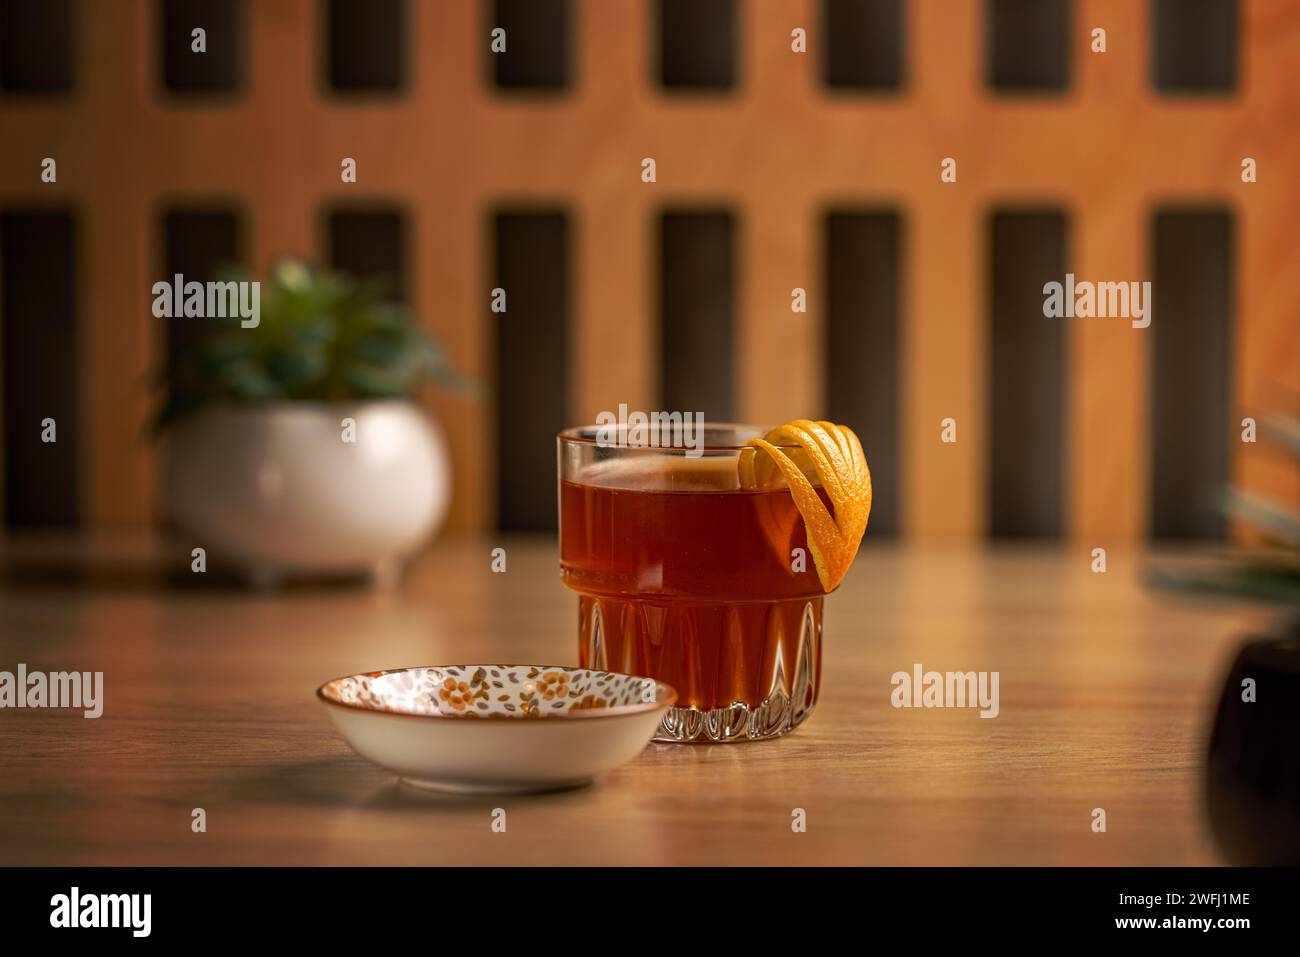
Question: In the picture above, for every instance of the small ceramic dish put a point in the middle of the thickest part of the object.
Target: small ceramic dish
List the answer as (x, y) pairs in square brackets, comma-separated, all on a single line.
[(496, 728)]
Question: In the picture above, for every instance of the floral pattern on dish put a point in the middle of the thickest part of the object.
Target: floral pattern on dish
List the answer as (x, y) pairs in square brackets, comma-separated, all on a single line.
[(469, 691)]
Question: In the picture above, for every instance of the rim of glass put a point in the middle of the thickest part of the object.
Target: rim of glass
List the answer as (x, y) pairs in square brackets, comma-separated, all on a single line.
[(587, 435)]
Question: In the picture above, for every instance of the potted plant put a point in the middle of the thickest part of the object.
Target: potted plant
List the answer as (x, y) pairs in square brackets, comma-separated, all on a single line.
[(292, 445), (1252, 766)]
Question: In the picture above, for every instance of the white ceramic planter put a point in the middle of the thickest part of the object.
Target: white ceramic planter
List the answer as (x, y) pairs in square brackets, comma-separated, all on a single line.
[(280, 490)]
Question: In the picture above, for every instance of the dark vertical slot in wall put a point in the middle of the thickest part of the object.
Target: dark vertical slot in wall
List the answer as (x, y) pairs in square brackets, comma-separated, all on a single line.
[(532, 266), (197, 245), (36, 46), (1028, 45), (696, 309), (38, 307), (219, 67), (369, 244), (1191, 329), (1195, 45), (536, 56), (863, 304), (864, 44), (1026, 376), (366, 45), (698, 43)]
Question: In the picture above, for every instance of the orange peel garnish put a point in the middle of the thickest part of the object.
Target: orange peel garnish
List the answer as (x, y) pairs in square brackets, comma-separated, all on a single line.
[(833, 454)]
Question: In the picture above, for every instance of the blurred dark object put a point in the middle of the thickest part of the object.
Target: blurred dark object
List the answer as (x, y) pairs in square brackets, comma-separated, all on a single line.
[(1253, 771)]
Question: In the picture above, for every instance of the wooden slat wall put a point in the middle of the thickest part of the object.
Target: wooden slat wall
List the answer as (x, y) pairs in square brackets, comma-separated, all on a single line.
[(369, 242), (366, 51), (1029, 45), (36, 50), (862, 44), (776, 148), (1107, 397), (538, 54), (196, 243), (1028, 248), (218, 72), (38, 294), (864, 306), (1194, 259), (696, 42), (697, 265), (534, 259), (1195, 47)]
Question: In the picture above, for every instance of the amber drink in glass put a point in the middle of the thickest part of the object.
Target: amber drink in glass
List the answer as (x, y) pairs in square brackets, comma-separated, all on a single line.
[(684, 576)]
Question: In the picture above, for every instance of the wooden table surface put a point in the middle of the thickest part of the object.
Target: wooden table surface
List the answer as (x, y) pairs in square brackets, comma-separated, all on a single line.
[(1106, 692)]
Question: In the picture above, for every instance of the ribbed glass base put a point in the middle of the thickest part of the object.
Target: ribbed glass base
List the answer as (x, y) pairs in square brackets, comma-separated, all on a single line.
[(743, 672)]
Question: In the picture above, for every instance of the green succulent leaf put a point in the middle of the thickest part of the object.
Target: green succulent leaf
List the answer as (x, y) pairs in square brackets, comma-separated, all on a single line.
[(322, 336)]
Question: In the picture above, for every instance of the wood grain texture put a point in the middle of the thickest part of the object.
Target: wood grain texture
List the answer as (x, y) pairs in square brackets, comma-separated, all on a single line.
[(1105, 695), (779, 148)]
